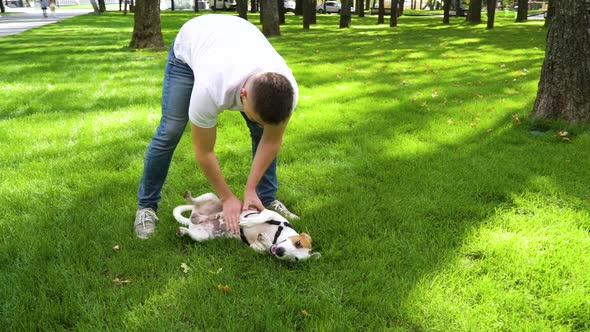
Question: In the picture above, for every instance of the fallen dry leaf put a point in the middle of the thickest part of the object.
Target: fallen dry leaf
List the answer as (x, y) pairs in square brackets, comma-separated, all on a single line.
[(450, 121), (223, 288), (515, 118), (119, 282), (304, 313), (117, 248)]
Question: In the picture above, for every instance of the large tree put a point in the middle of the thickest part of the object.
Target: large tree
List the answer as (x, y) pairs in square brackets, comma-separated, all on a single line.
[(523, 10), (345, 14), (446, 11), (242, 8), (474, 14), (393, 14), (269, 17), (491, 13), (147, 32), (564, 88)]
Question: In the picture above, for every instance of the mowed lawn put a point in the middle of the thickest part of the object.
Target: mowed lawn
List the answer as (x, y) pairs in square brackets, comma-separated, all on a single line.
[(436, 203)]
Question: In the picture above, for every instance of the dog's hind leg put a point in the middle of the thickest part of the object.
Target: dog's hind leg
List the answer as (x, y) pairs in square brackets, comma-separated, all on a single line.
[(205, 204), (197, 235)]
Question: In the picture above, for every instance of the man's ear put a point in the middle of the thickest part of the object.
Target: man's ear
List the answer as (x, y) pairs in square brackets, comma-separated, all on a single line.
[(243, 92)]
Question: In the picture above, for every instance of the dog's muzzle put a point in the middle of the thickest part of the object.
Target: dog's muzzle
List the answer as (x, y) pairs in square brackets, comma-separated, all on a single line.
[(277, 251)]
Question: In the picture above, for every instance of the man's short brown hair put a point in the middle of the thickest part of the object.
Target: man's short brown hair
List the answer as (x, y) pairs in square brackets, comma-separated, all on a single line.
[(273, 97)]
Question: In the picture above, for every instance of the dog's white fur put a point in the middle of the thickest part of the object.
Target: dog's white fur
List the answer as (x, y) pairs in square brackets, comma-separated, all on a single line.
[(258, 228)]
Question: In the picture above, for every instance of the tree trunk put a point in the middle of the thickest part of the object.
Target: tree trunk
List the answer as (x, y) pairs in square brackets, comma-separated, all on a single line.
[(523, 9), (312, 12), (242, 8), (345, 16), (491, 13), (381, 14), (281, 11), (393, 14), (269, 15), (147, 32), (305, 10), (196, 9), (254, 6), (564, 88), (360, 8), (101, 6), (2, 9), (172, 5), (550, 13), (474, 15), (446, 11), (299, 7)]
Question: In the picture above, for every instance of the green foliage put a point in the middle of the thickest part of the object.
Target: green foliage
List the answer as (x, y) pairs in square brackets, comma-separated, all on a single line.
[(435, 202)]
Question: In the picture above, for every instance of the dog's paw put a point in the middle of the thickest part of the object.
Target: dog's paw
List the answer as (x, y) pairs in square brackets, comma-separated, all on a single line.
[(188, 197), (264, 239), (180, 231)]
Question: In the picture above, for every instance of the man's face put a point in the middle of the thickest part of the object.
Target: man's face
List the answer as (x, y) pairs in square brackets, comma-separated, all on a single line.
[(245, 96)]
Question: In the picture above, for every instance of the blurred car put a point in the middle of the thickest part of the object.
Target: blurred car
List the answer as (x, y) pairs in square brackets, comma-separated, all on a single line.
[(330, 7), (289, 6)]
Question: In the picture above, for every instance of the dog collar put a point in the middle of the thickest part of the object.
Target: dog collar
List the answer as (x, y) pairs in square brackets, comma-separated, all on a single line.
[(277, 233), (280, 229)]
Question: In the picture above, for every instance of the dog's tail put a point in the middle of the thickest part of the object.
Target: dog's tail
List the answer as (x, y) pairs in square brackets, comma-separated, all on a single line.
[(177, 212)]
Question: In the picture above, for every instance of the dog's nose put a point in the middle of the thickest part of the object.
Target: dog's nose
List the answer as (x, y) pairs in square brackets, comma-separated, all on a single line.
[(280, 251)]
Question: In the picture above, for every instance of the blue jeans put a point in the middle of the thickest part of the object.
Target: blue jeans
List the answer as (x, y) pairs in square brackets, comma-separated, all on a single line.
[(176, 95)]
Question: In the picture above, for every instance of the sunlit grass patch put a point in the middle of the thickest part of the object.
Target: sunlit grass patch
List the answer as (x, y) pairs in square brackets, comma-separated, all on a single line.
[(435, 202)]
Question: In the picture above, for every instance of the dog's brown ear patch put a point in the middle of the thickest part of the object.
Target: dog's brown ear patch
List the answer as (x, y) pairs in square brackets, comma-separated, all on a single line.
[(305, 240)]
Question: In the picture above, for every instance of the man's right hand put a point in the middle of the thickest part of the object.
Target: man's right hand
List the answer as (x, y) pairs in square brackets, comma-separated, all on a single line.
[(232, 207)]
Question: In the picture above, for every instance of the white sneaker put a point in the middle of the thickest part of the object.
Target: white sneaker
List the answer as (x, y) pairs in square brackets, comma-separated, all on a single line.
[(145, 223), (281, 209)]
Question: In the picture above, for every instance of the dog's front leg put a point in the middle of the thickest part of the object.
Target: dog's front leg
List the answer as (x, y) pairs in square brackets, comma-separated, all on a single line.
[(248, 221), (262, 243)]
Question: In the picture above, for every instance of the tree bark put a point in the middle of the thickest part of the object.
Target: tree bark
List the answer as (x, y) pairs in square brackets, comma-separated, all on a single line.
[(550, 12), (299, 7), (393, 14), (269, 15), (147, 32), (491, 13), (345, 16), (381, 13), (474, 14), (523, 9), (281, 11), (446, 12), (305, 10), (242, 8), (101, 6), (564, 87), (254, 6)]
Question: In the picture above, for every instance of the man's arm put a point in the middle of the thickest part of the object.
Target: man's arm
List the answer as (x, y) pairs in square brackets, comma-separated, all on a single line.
[(203, 145), (268, 148)]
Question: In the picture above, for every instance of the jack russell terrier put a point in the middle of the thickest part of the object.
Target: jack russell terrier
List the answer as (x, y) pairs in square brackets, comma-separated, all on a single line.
[(263, 230)]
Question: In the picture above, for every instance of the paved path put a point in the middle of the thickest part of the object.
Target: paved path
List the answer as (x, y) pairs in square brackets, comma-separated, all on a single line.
[(17, 20)]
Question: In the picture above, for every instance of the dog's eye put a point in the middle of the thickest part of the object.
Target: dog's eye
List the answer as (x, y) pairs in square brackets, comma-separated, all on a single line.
[(298, 244)]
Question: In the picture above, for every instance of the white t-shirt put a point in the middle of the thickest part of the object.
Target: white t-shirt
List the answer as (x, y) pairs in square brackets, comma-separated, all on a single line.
[(223, 51)]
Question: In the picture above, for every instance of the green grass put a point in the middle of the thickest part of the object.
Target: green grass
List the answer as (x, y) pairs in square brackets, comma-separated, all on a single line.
[(435, 202)]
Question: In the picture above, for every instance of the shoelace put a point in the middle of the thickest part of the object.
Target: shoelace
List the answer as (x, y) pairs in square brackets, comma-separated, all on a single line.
[(279, 206), (147, 216)]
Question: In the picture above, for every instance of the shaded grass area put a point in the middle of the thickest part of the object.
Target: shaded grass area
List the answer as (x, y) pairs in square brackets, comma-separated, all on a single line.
[(435, 202)]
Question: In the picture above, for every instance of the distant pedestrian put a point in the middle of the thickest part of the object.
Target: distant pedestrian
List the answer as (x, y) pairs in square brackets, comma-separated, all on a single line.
[(95, 6), (52, 8), (44, 4)]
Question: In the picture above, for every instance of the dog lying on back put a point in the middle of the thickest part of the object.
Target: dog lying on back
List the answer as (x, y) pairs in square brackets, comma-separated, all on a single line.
[(263, 231)]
